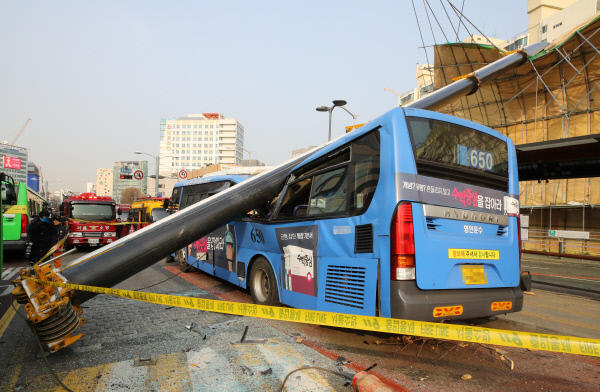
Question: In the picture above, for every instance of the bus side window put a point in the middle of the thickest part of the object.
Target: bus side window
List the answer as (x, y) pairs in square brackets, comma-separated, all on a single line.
[(365, 171), (297, 194), (329, 192)]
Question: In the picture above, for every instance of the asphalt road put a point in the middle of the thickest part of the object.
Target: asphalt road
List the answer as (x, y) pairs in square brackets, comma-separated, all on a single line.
[(576, 276)]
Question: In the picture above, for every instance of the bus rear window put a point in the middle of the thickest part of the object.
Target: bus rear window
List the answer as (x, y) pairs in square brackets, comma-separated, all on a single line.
[(457, 153)]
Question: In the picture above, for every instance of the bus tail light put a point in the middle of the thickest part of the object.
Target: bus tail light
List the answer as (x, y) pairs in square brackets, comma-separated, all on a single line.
[(24, 222), (402, 243)]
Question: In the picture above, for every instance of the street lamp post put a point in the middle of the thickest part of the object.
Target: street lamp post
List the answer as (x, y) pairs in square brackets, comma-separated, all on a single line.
[(249, 153), (157, 170), (336, 103)]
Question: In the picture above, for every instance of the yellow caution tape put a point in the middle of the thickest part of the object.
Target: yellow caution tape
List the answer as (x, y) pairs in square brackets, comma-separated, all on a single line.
[(107, 223), (536, 341), (54, 248)]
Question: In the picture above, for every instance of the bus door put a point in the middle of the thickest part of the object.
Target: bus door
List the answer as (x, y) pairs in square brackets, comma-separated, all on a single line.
[(328, 260)]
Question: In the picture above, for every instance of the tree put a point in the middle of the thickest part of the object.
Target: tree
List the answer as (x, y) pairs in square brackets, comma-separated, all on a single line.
[(129, 194)]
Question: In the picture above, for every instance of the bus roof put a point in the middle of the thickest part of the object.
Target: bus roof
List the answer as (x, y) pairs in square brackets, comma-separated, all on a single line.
[(390, 116), (203, 180)]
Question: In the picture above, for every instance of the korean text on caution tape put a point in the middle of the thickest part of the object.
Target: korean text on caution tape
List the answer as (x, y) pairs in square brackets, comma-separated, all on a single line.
[(536, 341)]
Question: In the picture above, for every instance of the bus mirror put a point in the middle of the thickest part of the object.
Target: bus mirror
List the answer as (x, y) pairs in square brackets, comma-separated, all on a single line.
[(119, 211)]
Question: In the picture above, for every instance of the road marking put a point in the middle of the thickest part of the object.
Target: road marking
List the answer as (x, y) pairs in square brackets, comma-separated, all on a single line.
[(530, 266), (8, 316), (8, 273), (211, 371), (569, 277), (85, 379), (160, 377), (284, 360), (8, 290), (122, 377), (202, 370)]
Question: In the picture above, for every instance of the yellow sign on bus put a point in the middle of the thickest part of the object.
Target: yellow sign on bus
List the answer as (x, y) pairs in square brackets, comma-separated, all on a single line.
[(474, 254)]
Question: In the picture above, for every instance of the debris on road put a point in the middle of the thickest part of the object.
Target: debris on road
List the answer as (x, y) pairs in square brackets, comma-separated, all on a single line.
[(466, 377), (247, 371), (342, 361)]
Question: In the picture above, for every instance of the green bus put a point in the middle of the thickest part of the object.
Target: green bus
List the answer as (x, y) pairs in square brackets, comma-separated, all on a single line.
[(19, 204)]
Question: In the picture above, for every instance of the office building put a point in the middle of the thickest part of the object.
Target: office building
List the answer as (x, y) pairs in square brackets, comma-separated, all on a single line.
[(199, 140), (14, 161), (104, 182)]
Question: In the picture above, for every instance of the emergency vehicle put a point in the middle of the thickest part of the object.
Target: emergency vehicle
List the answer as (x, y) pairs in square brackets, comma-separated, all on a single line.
[(91, 219)]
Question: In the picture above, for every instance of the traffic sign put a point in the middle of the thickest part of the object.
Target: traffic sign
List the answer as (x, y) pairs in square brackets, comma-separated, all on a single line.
[(138, 175), (584, 235), (183, 174)]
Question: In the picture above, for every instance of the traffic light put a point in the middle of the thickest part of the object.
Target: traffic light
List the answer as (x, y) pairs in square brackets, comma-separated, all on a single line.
[(126, 176)]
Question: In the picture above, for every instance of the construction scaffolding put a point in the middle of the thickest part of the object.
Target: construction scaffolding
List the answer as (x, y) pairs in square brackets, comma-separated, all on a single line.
[(553, 96)]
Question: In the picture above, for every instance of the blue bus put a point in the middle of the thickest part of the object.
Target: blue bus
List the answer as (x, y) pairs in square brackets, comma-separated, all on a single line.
[(412, 216)]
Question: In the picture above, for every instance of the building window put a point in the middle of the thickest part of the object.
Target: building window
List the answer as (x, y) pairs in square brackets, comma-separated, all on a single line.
[(189, 126), (544, 28), (205, 125), (195, 126)]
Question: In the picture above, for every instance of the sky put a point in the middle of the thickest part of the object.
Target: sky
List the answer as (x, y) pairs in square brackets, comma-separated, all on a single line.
[(96, 77)]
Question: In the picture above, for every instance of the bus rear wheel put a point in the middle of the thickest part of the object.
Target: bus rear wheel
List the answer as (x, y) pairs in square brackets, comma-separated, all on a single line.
[(262, 284)]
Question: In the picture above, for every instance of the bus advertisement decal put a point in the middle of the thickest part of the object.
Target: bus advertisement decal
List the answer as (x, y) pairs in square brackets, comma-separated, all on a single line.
[(220, 248), (298, 246), (454, 194)]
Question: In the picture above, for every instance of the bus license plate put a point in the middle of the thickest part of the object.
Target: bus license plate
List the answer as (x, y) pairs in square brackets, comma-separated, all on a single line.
[(477, 254), (473, 274), (93, 241)]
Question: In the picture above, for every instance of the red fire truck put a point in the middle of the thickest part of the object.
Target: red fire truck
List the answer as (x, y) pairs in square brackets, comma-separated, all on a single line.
[(89, 220)]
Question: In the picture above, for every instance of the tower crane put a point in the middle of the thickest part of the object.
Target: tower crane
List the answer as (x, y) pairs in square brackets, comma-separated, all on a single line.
[(20, 132), (391, 91)]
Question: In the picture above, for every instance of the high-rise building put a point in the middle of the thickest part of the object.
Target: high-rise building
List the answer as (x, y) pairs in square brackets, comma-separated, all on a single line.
[(104, 182), (124, 176), (14, 161), (198, 140)]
